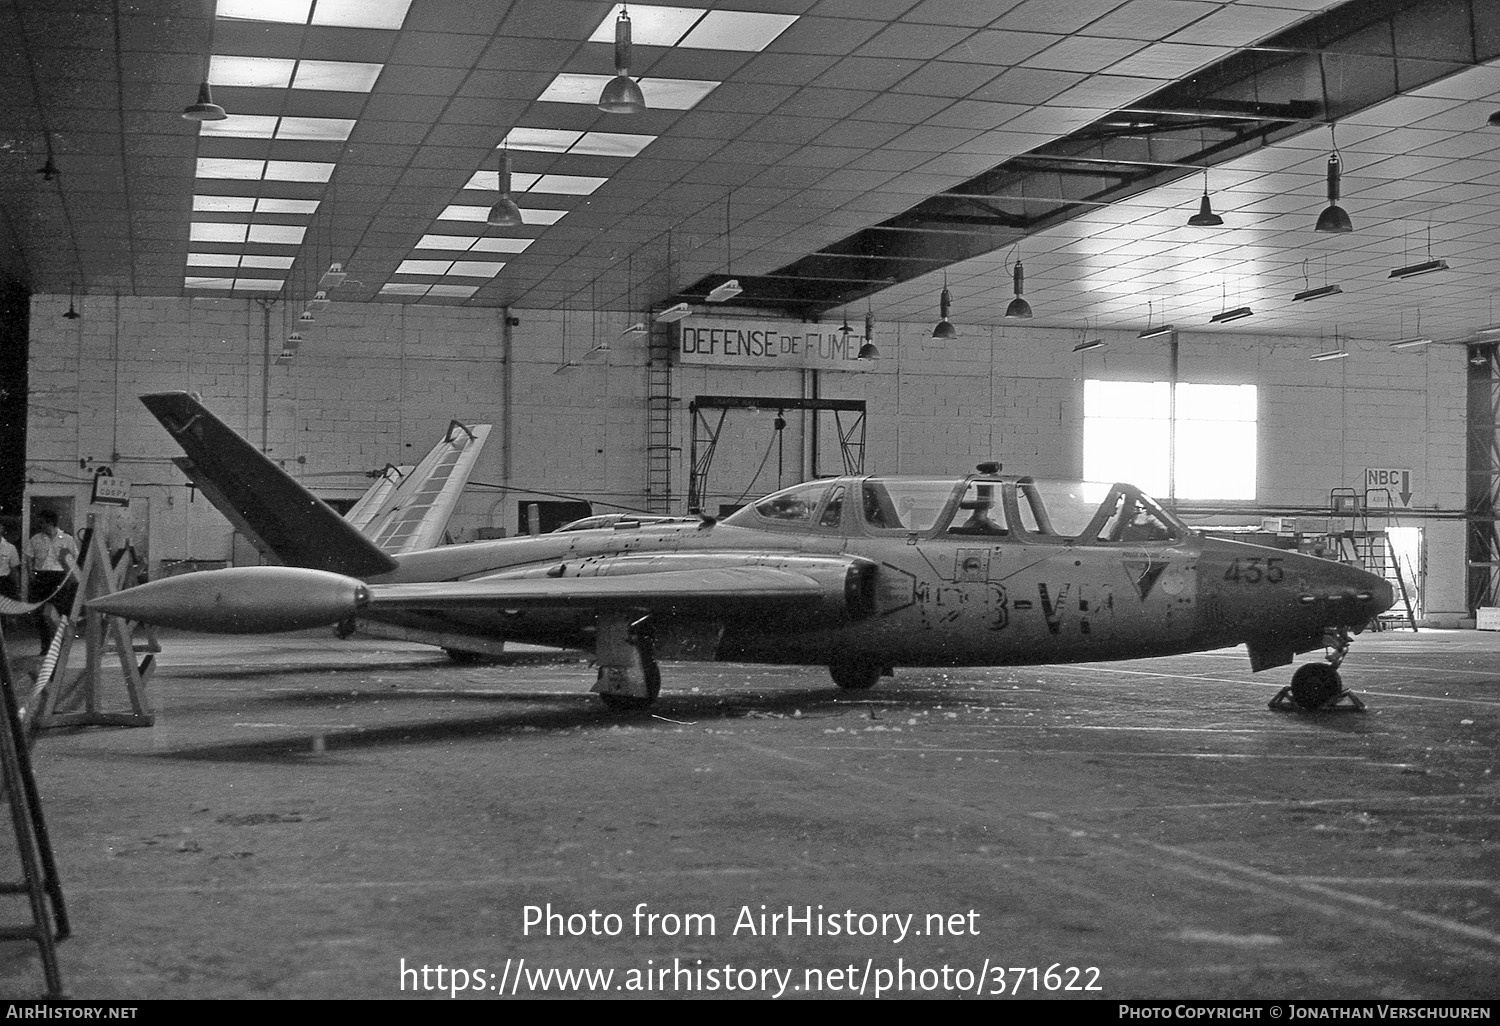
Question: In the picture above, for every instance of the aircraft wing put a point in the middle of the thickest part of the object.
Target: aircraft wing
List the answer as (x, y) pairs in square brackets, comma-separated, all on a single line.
[(413, 516)]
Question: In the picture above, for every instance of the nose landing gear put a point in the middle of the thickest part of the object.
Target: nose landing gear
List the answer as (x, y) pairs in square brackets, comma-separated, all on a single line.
[(1317, 687)]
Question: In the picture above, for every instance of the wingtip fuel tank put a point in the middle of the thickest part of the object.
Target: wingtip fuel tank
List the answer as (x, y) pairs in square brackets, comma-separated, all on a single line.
[(240, 600)]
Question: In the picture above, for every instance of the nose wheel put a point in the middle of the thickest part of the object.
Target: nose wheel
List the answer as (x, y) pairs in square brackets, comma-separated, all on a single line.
[(1318, 687)]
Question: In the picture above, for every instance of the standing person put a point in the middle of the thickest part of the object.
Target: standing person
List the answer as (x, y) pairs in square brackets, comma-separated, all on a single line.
[(53, 554), (10, 568)]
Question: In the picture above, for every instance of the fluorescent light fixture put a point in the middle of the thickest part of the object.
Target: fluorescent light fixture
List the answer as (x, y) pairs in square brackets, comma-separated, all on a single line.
[(1334, 354), (673, 314), (1165, 329), (638, 328), (293, 340), (1317, 293), (1093, 343), (1425, 267), (726, 291), (319, 301), (1411, 343), (1493, 329), (696, 27), (1238, 313), (660, 93), (333, 277)]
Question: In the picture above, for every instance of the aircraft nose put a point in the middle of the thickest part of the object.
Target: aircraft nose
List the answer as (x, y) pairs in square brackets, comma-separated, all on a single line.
[(1352, 596)]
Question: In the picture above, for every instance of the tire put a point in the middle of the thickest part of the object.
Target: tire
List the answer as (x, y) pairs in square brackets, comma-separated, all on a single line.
[(635, 703), (463, 657), (1314, 685), (855, 674)]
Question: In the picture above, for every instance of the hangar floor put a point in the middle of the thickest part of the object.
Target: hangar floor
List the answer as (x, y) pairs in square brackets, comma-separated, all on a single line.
[(309, 816)]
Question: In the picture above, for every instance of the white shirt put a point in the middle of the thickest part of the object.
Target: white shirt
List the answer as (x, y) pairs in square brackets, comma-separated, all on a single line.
[(9, 558), (53, 553)]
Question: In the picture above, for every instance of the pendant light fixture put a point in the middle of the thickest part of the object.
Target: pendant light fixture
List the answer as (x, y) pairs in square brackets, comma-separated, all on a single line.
[(845, 328), (621, 94), (1338, 353), (867, 351), (728, 289), (1018, 307), (205, 109), (945, 329), (1205, 217), (1412, 341), (1086, 344), (1334, 218), (1425, 267), (1225, 314), (1159, 330), (72, 313), (1309, 293), (505, 213)]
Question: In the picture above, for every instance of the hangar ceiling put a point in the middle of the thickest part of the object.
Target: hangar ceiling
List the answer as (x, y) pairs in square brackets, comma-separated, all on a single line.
[(823, 152)]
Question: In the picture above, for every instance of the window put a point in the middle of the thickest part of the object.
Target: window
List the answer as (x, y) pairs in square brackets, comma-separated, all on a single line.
[(1127, 425)]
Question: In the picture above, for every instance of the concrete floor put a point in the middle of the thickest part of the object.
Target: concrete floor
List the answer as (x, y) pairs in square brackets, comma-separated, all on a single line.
[(307, 816)]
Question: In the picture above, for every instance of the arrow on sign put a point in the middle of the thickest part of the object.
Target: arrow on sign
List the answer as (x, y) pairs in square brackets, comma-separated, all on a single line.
[(1405, 492)]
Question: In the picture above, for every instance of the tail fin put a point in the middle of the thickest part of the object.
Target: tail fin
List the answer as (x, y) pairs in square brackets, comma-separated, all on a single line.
[(415, 514), (282, 518)]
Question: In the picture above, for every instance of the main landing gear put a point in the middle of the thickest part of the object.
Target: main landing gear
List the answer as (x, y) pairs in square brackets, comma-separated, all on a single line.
[(1317, 686), (629, 677), (857, 674)]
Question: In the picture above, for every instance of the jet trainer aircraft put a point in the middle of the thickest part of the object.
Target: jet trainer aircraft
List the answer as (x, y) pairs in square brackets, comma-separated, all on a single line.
[(861, 574)]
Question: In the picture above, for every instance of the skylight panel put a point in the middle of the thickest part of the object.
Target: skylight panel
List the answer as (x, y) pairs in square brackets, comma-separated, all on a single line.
[(227, 204), (258, 284), (230, 167), (378, 14), (473, 243), (545, 140), (276, 234), (650, 25), (298, 171), (195, 282), (453, 242), (466, 212), (696, 27), (403, 288), (293, 12), (499, 244), (204, 231), (736, 30), (279, 263), (660, 93), (612, 144), (542, 216), (337, 76), (424, 267), (275, 205), (563, 185), (256, 72), (455, 291), (241, 126), (213, 259), (475, 268), (315, 129)]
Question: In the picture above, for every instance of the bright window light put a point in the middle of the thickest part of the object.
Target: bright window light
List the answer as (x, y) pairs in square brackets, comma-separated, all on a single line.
[(315, 129), (298, 171), (277, 234), (273, 205), (424, 267), (225, 204), (202, 231), (379, 14), (279, 263), (257, 72), (241, 126), (213, 259), (475, 268), (230, 167), (550, 140), (1127, 426), (337, 76), (660, 93), (736, 30)]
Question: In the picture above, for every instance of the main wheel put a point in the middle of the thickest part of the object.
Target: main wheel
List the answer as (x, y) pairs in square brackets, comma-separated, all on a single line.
[(855, 674), (635, 703), (1314, 685)]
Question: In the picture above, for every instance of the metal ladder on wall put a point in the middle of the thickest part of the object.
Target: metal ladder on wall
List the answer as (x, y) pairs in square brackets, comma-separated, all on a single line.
[(1369, 550), (659, 420)]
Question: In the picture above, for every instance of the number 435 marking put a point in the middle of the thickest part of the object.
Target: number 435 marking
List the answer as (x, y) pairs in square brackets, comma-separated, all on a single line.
[(1254, 569)]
